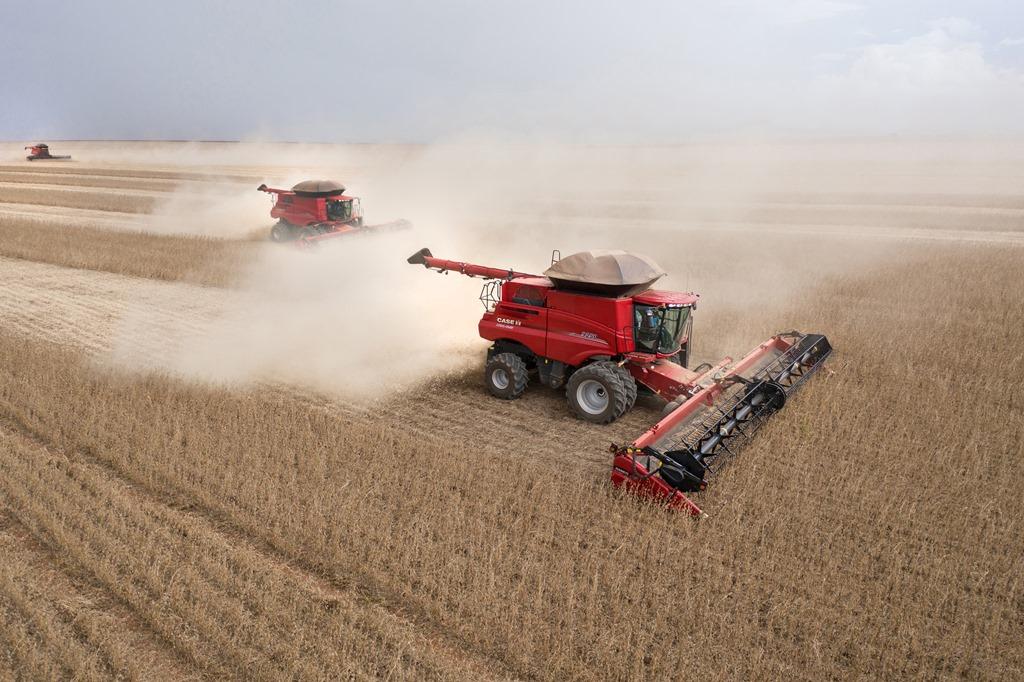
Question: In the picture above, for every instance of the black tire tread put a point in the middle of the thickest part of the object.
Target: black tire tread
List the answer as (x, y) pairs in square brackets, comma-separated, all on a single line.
[(517, 370), (609, 373), (670, 407), (284, 230), (628, 383)]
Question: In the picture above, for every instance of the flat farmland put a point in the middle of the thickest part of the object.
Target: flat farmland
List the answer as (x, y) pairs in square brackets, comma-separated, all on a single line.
[(226, 458)]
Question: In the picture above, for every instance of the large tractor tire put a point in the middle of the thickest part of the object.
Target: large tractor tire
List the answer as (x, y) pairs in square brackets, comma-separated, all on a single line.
[(506, 376), (628, 383), (281, 232), (599, 393)]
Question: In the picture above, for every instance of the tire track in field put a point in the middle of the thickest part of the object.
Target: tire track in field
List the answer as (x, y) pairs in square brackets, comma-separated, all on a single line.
[(78, 217), (536, 426), (93, 198), (128, 172), (434, 642), (87, 180), (83, 180), (89, 309), (100, 627)]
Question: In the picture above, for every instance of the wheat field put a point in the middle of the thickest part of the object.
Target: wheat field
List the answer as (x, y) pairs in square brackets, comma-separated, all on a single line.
[(159, 521)]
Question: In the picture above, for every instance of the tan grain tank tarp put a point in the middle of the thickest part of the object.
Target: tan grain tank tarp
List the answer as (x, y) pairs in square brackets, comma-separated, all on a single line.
[(614, 272), (319, 187)]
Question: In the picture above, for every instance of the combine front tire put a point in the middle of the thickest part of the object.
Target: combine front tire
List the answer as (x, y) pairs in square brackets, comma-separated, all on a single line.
[(671, 406), (598, 393), (281, 232), (506, 376), (628, 383)]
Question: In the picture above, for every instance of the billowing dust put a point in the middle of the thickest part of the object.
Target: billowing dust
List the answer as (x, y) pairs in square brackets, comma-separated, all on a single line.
[(225, 211), (751, 227), (349, 319)]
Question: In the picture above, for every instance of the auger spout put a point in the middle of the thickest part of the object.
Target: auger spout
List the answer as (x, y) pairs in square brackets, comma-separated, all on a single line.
[(425, 258)]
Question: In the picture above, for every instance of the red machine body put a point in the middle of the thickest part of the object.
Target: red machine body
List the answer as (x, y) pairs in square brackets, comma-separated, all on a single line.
[(324, 211), (574, 327), (604, 347), (41, 152)]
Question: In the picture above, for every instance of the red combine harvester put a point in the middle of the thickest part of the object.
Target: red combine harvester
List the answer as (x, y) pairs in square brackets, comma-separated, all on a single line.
[(41, 152), (593, 324), (315, 210)]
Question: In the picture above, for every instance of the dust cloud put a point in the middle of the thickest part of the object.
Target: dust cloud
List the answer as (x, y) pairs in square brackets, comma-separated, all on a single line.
[(752, 227), (218, 211), (350, 319)]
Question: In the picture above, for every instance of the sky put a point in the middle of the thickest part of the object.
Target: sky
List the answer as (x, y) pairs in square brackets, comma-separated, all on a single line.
[(635, 71)]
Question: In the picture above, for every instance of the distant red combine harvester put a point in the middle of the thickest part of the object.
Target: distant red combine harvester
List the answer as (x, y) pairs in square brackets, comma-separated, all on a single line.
[(41, 152), (315, 210)]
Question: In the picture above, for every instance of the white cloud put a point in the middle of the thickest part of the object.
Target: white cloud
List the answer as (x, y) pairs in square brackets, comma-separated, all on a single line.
[(940, 59), (956, 27), (937, 81), (1010, 42)]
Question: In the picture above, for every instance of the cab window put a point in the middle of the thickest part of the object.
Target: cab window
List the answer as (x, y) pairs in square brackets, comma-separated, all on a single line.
[(339, 210), (658, 329), (527, 295)]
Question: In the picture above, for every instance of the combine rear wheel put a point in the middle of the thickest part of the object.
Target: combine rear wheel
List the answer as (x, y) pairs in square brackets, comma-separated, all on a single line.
[(601, 392), (506, 376), (281, 232)]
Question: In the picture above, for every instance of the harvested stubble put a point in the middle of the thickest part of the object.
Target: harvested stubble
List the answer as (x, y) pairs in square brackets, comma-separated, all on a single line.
[(199, 260), (58, 626), (88, 179), (130, 172), (872, 530), (216, 601), (99, 199)]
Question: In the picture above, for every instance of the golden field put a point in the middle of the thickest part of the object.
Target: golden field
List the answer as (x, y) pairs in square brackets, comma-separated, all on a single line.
[(190, 491)]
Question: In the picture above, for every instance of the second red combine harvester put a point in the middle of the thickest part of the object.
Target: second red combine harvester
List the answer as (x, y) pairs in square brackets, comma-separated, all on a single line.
[(40, 151), (593, 324), (316, 210)]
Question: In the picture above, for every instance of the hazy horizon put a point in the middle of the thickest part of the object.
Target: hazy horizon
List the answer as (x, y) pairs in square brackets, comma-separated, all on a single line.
[(410, 72)]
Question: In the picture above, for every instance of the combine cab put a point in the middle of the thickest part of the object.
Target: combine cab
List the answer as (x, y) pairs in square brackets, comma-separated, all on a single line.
[(318, 209), (41, 152), (594, 325)]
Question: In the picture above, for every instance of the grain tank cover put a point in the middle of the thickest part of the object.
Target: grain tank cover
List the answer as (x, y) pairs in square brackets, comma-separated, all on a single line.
[(610, 273), (319, 188)]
